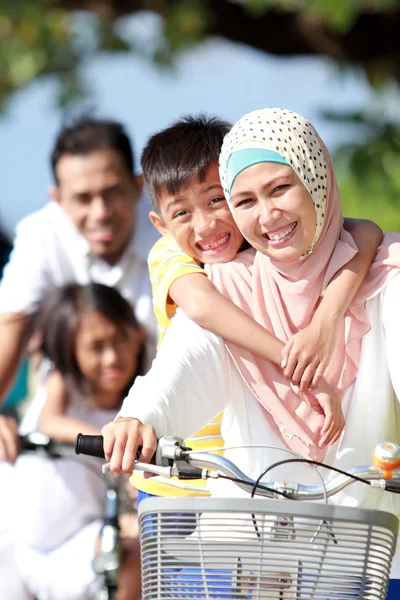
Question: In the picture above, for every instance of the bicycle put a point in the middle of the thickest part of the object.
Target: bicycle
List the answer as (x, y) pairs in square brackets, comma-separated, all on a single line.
[(107, 560), (256, 548)]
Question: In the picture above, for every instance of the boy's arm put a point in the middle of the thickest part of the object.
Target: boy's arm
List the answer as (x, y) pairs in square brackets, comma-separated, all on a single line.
[(53, 421), (310, 350), (207, 307)]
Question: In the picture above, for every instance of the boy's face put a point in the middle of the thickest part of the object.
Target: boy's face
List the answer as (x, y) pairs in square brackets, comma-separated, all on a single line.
[(199, 220)]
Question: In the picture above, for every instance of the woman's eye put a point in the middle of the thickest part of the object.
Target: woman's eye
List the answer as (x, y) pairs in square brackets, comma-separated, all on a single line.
[(217, 200), (280, 188), (245, 202)]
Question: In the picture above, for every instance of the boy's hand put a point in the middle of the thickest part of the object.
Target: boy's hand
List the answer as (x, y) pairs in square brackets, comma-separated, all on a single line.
[(121, 441), (334, 418), (307, 354)]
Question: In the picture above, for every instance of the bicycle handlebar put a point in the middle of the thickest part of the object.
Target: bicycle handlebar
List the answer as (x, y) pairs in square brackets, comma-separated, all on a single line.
[(39, 443), (91, 445), (171, 454)]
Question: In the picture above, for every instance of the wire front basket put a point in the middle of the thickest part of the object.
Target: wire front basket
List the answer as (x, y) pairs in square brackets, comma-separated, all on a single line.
[(263, 549)]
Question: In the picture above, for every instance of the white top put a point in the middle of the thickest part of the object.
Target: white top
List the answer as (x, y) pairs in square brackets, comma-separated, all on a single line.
[(58, 507), (56, 498), (50, 252), (193, 378)]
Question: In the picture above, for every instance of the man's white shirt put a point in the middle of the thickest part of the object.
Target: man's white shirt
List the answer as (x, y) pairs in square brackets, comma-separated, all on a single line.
[(50, 252)]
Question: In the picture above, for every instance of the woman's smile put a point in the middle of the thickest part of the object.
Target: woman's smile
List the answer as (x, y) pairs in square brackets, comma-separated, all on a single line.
[(274, 211), (282, 235)]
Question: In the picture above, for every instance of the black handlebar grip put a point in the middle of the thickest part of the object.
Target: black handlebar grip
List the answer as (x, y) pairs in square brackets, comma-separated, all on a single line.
[(91, 445)]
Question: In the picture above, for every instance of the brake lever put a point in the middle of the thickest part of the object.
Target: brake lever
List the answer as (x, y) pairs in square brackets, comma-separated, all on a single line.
[(145, 467)]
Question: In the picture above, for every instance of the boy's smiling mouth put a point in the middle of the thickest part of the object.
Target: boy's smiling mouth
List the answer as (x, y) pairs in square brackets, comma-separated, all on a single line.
[(215, 244)]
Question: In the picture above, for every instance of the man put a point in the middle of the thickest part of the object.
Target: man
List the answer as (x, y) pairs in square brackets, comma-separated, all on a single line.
[(94, 229)]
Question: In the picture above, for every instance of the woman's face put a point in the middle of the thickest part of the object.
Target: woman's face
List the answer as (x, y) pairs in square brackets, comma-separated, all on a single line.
[(106, 353), (274, 211)]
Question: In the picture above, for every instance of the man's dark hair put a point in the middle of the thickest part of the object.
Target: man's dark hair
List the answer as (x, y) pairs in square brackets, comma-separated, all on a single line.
[(59, 319), (184, 151), (86, 135)]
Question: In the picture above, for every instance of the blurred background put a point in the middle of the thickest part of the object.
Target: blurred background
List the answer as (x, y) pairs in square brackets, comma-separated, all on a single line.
[(147, 62)]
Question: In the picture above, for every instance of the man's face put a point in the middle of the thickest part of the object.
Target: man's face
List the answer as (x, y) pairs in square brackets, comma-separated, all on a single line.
[(199, 219), (99, 193)]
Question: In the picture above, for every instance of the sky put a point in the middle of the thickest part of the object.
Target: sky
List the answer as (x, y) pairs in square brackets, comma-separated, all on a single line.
[(218, 77)]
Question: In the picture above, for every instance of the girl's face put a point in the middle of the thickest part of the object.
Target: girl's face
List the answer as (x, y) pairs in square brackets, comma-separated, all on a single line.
[(107, 354), (274, 211)]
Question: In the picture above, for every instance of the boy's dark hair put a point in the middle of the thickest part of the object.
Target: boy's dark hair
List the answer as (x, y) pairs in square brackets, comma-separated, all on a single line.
[(184, 151), (59, 319), (86, 135)]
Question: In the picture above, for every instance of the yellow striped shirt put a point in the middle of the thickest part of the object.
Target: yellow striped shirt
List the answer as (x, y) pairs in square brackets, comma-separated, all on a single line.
[(167, 263)]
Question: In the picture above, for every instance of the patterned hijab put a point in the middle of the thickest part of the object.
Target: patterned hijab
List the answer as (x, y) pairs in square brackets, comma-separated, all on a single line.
[(284, 296), (290, 136)]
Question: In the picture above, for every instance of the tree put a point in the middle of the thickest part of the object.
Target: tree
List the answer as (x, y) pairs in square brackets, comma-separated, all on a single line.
[(39, 36), (42, 37), (369, 171)]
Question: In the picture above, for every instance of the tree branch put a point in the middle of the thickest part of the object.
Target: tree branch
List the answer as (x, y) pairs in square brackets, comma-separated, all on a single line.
[(372, 41)]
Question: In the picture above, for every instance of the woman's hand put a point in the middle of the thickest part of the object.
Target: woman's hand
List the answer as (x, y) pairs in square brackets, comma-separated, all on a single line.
[(334, 421), (307, 354), (121, 441)]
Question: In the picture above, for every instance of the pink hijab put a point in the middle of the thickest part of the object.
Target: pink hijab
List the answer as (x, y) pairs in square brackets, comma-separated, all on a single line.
[(284, 296)]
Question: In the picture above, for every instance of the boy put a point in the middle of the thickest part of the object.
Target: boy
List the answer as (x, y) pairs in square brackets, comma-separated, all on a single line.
[(180, 168)]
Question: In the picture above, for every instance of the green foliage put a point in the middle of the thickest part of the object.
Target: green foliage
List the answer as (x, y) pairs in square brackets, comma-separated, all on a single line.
[(373, 204), (185, 25), (339, 15), (369, 174), (38, 37)]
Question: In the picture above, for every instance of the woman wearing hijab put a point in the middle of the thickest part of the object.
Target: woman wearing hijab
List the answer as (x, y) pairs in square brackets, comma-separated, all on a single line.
[(279, 180)]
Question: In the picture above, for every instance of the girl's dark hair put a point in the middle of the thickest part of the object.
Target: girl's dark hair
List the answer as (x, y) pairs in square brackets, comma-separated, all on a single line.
[(58, 323)]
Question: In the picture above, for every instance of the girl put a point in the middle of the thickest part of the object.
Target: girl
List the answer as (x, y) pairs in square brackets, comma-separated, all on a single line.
[(97, 348), (92, 337)]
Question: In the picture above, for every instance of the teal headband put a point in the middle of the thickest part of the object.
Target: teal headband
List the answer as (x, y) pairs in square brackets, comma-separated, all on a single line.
[(247, 157)]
